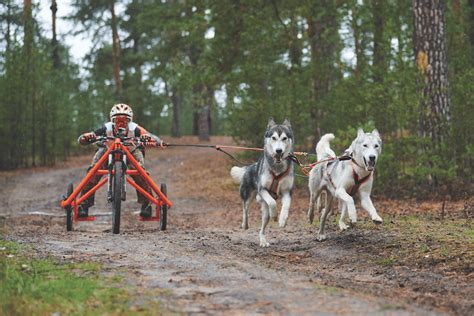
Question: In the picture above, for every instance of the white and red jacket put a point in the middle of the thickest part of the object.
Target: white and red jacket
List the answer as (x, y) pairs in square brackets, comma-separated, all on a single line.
[(134, 130)]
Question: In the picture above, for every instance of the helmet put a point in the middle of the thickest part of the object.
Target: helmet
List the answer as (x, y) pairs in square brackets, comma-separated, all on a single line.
[(121, 109)]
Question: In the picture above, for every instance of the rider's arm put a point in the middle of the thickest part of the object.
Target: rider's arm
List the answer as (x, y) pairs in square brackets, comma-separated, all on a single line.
[(90, 137), (143, 133)]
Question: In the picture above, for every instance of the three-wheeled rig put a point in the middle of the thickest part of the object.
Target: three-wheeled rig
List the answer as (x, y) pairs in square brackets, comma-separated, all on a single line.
[(117, 159)]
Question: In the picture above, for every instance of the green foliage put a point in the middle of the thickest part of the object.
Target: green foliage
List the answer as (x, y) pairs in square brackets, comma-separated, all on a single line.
[(265, 58)]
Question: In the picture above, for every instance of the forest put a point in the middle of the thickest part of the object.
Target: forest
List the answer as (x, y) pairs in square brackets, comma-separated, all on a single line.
[(206, 68)]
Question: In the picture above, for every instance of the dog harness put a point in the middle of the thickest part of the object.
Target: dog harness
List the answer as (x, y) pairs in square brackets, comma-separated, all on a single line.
[(357, 181), (276, 182)]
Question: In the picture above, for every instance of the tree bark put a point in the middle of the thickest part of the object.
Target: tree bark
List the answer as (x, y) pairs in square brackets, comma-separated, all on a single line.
[(202, 112), (358, 40), (28, 55), (471, 24), (54, 42), (116, 53), (176, 100), (380, 44), (9, 7), (323, 36), (431, 59)]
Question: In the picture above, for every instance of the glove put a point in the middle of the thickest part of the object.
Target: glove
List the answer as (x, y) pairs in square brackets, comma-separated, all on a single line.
[(145, 138), (87, 138), (147, 141)]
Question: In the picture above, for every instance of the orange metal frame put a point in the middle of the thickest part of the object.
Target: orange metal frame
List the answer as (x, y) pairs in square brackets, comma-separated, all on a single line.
[(74, 201)]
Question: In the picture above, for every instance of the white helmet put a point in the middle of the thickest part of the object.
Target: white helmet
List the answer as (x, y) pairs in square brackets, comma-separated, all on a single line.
[(121, 109)]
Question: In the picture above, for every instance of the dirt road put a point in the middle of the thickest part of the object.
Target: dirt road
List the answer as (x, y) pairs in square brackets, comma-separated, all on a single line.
[(204, 262)]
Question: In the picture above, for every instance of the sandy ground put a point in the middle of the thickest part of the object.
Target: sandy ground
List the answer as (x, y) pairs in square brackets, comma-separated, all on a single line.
[(204, 262)]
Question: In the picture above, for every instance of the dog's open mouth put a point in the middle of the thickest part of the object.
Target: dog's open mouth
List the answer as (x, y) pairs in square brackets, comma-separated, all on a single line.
[(369, 165), (278, 157)]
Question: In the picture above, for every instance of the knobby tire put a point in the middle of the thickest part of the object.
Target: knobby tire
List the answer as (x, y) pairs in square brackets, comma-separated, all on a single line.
[(117, 197), (70, 189), (163, 209)]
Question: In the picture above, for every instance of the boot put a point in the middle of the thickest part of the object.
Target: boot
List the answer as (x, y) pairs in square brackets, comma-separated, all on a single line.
[(83, 211), (146, 210)]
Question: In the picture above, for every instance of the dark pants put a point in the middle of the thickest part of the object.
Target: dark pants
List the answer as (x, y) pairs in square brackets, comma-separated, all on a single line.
[(138, 155)]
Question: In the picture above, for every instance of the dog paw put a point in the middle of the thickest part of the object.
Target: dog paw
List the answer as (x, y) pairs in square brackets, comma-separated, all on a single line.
[(282, 223), (343, 226), (245, 226), (377, 220), (310, 218), (264, 243), (321, 237)]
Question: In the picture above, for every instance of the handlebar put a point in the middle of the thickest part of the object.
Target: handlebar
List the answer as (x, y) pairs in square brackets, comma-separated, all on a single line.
[(127, 141)]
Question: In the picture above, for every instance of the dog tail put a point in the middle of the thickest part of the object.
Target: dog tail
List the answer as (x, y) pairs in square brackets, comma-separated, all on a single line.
[(237, 173), (323, 150)]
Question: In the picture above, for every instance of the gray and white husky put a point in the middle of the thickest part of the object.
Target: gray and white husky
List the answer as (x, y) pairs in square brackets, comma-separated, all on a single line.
[(344, 179), (271, 176)]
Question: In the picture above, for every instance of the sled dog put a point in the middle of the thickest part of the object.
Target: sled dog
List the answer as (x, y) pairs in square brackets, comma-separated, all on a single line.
[(344, 179), (271, 177)]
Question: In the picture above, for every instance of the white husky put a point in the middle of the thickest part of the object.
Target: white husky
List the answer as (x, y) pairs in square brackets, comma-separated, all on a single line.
[(345, 178)]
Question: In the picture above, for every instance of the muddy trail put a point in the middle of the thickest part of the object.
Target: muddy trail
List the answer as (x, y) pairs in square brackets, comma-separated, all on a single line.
[(204, 262)]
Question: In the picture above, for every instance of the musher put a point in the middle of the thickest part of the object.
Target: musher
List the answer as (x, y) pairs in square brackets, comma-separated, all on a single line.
[(121, 120)]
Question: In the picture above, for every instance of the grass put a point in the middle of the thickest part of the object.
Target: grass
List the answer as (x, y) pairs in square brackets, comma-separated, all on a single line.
[(31, 286), (387, 262), (427, 241)]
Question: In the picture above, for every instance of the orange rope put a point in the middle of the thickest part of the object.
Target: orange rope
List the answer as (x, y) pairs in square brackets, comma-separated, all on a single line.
[(298, 153), (237, 147)]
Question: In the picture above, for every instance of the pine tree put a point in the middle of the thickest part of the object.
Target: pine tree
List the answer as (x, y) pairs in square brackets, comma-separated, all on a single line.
[(431, 59)]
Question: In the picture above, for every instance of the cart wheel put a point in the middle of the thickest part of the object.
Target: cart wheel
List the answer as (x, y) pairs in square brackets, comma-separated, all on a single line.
[(117, 197), (163, 210), (70, 189)]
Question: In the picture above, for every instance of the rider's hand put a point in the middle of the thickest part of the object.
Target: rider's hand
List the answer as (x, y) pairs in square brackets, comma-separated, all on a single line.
[(163, 144), (87, 138), (145, 138)]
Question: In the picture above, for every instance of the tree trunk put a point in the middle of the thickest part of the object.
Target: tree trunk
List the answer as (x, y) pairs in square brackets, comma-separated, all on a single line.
[(116, 53), (7, 39), (196, 107), (294, 45), (323, 38), (176, 100), (29, 80), (471, 24), (204, 123), (431, 59), (54, 42), (202, 112), (380, 44), (358, 40)]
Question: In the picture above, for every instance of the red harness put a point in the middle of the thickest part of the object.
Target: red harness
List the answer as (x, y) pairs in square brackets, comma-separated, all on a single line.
[(357, 181), (276, 182)]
